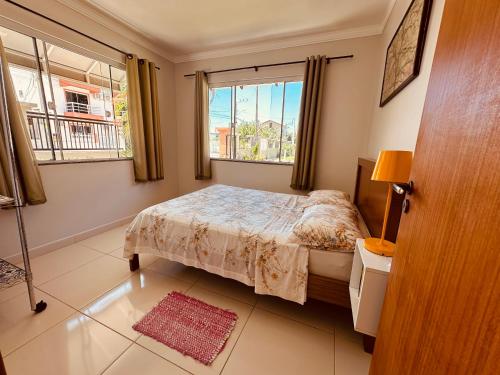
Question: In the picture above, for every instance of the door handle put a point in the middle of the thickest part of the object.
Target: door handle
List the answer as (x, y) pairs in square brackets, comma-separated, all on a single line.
[(403, 188)]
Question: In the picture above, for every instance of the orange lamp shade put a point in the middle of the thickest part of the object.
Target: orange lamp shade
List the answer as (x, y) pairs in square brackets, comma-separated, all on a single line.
[(393, 166)]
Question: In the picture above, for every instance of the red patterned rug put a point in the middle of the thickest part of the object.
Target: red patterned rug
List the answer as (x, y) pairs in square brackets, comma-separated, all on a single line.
[(189, 326)]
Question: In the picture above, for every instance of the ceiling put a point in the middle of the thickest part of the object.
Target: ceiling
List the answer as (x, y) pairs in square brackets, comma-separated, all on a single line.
[(184, 27)]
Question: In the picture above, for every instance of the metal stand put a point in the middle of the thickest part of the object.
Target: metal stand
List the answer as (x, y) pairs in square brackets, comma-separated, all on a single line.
[(40, 306)]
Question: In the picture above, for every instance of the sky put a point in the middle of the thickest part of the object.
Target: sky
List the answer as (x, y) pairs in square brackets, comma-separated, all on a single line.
[(270, 101)]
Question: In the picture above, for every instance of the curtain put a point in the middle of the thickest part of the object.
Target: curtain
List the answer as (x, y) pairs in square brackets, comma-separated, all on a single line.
[(202, 146), (307, 135), (144, 117), (30, 181)]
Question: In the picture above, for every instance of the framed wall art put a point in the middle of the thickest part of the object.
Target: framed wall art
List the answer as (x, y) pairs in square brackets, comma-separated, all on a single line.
[(404, 53)]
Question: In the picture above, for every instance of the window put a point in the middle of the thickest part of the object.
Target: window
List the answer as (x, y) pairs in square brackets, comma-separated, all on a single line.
[(76, 102), (75, 106), (255, 122)]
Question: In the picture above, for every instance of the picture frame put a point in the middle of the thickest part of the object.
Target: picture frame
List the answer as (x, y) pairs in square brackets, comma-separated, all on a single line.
[(404, 53)]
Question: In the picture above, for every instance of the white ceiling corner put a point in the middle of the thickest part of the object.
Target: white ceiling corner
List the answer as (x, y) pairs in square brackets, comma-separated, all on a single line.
[(156, 37), (387, 15), (112, 23), (288, 42)]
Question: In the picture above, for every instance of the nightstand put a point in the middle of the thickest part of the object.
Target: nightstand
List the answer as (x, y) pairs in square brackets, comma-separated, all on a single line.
[(367, 291)]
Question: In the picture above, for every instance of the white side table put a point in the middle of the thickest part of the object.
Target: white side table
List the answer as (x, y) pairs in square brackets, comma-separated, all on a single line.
[(367, 291)]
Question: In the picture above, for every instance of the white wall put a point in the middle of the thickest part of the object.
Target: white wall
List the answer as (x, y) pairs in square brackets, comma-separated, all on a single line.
[(347, 108), (85, 196), (395, 126)]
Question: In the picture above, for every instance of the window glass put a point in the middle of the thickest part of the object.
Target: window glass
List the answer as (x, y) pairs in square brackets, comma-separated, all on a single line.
[(20, 53), (291, 110), (258, 121), (120, 108), (246, 147), (270, 104), (76, 108), (220, 121), (83, 99)]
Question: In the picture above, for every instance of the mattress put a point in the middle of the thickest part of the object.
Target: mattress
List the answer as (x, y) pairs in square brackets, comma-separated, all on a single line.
[(334, 264), (242, 234)]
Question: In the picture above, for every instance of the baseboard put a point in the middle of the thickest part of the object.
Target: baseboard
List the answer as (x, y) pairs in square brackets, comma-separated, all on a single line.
[(66, 241)]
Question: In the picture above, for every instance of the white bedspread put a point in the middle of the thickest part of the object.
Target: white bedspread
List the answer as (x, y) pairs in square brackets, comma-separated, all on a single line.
[(233, 232)]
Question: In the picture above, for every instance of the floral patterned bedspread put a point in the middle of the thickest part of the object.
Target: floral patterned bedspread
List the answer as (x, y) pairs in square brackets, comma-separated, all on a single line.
[(237, 233)]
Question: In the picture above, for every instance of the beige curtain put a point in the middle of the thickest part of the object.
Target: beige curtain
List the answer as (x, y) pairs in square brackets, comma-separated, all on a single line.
[(202, 146), (144, 117), (29, 176), (307, 135)]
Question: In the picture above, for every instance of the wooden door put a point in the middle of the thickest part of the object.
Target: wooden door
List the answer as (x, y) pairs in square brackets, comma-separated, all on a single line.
[(442, 308)]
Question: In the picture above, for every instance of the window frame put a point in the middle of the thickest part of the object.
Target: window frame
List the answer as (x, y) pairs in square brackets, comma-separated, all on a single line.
[(82, 161), (44, 38), (247, 82)]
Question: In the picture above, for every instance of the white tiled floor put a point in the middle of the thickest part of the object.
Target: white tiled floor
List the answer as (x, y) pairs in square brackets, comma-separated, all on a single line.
[(93, 300)]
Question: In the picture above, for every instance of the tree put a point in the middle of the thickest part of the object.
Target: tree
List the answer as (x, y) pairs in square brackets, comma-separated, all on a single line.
[(249, 136), (121, 114)]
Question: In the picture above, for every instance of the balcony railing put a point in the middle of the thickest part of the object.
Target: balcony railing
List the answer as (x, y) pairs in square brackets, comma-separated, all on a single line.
[(73, 133), (83, 108)]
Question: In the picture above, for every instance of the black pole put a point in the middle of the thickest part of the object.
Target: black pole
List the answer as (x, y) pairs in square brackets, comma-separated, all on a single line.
[(256, 67)]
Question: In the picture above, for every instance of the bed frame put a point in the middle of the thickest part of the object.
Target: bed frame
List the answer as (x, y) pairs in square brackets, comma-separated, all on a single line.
[(370, 198)]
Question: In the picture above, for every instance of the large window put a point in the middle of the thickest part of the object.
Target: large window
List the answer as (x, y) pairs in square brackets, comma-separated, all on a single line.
[(255, 122), (75, 106)]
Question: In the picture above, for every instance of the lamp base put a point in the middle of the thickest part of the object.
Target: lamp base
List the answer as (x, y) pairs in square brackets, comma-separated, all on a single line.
[(380, 247)]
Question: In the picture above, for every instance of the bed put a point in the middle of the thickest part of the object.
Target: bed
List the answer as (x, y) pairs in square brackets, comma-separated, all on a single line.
[(248, 235)]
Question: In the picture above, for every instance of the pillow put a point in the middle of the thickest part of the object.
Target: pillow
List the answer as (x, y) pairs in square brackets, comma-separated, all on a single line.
[(327, 227), (335, 197)]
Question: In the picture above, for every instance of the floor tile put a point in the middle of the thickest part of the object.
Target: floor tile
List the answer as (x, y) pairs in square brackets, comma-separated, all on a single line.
[(350, 358), (344, 323), (228, 287), (78, 345), (13, 291), (81, 286), (242, 309), (271, 344), (108, 241), (314, 313), (18, 324), (56, 263), (175, 269), (145, 259), (137, 360), (127, 303)]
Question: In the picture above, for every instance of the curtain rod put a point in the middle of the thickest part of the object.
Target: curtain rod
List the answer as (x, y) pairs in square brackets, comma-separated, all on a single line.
[(256, 67), (128, 55)]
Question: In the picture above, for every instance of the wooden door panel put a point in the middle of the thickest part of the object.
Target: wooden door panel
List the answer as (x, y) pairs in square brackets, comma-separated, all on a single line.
[(442, 311)]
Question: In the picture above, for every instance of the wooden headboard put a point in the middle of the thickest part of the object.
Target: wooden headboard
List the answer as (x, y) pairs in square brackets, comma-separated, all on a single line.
[(370, 197)]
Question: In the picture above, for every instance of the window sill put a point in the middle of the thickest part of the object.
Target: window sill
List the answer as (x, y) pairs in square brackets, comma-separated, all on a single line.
[(79, 161), (253, 161)]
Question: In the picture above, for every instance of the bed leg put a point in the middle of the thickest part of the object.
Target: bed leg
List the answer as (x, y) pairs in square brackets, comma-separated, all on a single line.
[(134, 263)]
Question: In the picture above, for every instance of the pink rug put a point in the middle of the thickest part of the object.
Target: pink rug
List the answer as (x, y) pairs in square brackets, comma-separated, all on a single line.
[(189, 326)]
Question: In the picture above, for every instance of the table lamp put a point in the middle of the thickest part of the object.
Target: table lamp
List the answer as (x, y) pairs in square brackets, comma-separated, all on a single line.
[(392, 167)]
